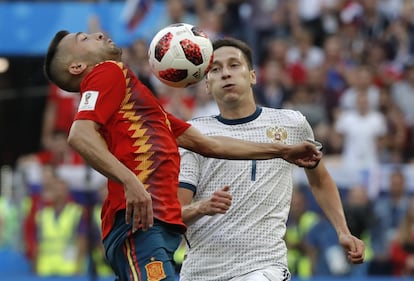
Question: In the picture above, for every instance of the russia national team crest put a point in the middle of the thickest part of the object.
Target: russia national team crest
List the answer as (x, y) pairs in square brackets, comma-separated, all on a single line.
[(276, 134), (155, 271)]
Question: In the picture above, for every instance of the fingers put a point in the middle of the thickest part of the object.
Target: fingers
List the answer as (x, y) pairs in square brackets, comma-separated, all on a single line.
[(141, 214), (128, 212), (305, 155), (355, 258), (355, 249), (150, 215), (219, 202), (222, 196), (305, 163), (136, 219), (356, 253)]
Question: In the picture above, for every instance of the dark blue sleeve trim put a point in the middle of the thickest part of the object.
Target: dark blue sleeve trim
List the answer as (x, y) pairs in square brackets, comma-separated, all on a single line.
[(189, 186)]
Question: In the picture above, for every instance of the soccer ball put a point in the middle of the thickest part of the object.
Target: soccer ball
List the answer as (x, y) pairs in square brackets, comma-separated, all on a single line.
[(180, 55)]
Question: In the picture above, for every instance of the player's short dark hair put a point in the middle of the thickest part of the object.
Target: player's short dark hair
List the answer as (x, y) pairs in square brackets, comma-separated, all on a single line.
[(51, 65), (238, 44)]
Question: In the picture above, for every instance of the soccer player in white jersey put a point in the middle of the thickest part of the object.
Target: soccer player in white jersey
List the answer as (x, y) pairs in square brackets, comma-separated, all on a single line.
[(236, 211)]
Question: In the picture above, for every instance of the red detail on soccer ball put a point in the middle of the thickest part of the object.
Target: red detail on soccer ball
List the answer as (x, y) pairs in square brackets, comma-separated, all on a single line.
[(173, 75), (210, 63), (192, 51), (163, 46)]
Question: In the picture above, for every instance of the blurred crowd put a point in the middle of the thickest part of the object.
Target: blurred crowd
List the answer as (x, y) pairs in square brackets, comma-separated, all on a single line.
[(347, 65)]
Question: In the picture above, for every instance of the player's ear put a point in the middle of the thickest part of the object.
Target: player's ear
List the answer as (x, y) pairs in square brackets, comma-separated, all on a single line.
[(208, 91), (77, 68), (253, 79)]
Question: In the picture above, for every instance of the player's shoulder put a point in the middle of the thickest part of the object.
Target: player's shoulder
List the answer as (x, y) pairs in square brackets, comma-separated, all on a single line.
[(284, 113), (203, 120)]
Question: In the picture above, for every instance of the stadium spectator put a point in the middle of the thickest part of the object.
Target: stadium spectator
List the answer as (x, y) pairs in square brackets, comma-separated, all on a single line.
[(176, 12), (327, 257), (334, 68), (304, 51), (360, 81), (306, 101), (61, 242), (301, 219), (402, 246), (99, 265), (359, 213), (402, 95), (277, 49), (389, 209), (136, 56), (274, 85), (396, 140), (59, 111), (360, 143)]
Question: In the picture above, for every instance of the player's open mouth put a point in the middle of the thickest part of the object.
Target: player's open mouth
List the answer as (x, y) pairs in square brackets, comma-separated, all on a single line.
[(228, 86)]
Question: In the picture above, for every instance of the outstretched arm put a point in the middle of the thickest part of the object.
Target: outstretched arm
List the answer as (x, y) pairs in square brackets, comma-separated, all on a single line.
[(304, 154), (85, 138), (326, 194)]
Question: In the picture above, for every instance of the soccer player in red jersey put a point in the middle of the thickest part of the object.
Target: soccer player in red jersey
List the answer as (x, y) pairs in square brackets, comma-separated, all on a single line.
[(122, 131)]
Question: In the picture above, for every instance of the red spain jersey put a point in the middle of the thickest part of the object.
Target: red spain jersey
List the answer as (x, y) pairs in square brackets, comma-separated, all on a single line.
[(139, 133)]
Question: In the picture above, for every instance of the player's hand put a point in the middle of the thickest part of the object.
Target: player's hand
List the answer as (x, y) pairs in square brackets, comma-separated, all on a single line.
[(218, 203), (304, 154), (354, 247), (138, 207)]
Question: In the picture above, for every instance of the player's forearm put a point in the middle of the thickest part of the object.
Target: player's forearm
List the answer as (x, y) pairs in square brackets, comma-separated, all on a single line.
[(191, 213), (230, 148), (328, 198), (329, 201)]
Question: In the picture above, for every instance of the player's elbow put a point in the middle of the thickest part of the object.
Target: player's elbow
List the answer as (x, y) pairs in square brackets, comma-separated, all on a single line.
[(73, 139)]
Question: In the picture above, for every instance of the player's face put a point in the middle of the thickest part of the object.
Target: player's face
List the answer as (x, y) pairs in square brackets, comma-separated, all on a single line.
[(230, 77), (91, 48)]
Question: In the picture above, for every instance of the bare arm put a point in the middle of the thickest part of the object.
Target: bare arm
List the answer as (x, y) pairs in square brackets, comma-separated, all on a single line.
[(85, 138), (304, 154), (219, 203), (326, 194)]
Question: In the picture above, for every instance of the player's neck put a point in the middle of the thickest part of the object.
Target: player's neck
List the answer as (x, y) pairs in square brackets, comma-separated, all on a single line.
[(237, 111)]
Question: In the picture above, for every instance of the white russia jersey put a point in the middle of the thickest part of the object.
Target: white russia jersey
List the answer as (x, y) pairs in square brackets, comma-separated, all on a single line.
[(250, 235)]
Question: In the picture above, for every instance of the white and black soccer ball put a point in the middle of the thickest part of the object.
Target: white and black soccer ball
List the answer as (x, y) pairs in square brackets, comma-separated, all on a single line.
[(180, 55)]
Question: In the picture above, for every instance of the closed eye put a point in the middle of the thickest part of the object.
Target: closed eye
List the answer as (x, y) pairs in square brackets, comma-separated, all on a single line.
[(214, 69), (81, 36)]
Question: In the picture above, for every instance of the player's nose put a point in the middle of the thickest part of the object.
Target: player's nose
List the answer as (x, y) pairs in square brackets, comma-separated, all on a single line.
[(99, 35), (225, 72)]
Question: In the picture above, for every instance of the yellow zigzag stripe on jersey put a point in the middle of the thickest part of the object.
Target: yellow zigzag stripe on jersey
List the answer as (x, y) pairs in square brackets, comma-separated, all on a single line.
[(142, 145), (143, 150), (141, 141)]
